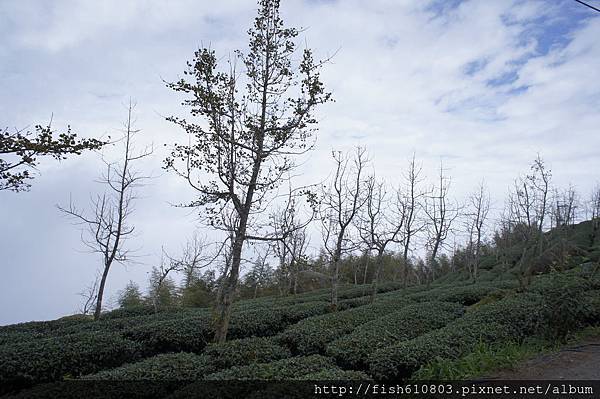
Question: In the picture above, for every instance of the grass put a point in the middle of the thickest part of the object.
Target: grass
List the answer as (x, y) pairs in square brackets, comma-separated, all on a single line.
[(488, 358)]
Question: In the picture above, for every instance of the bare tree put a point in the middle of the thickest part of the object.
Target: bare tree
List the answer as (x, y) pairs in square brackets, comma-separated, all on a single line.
[(528, 208), (441, 213), (340, 204), (291, 249), (192, 258), (107, 227), (379, 224), (565, 209), (595, 214), (255, 124), (411, 200), (539, 180), (89, 295), (477, 215)]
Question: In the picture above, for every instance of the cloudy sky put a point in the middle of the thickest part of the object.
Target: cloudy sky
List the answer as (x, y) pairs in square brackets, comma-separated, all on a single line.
[(483, 85)]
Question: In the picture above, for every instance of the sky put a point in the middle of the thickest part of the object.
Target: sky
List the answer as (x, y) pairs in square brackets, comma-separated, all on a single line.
[(481, 85)]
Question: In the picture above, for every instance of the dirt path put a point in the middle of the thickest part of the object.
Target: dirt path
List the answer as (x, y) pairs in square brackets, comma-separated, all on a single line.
[(580, 361)]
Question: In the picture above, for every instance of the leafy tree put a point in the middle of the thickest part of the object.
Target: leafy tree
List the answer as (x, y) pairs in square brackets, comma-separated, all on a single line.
[(19, 152), (130, 296), (162, 289), (252, 126)]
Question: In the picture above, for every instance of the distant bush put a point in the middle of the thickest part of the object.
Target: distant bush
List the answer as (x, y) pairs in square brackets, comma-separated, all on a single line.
[(279, 370), (353, 350), (512, 318), (129, 311), (170, 366), (311, 335), (51, 359)]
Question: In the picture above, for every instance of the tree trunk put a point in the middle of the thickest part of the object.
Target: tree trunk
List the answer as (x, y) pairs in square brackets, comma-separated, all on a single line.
[(98, 309), (375, 284), (227, 294), (367, 259)]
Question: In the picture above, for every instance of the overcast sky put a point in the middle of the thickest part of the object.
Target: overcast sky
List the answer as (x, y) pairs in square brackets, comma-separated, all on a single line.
[(483, 85)]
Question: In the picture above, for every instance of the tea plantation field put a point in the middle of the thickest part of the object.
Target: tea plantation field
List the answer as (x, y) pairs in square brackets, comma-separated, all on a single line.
[(299, 338)]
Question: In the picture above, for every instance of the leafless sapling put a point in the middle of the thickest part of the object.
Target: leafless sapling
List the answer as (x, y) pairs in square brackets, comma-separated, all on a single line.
[(341, 200), (380, 224), (107, 227), (478, 209)]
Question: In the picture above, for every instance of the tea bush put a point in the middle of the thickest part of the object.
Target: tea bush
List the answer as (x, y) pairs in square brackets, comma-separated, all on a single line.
[(279, 370), (170, 367), (512, 318), (352, 350), (311, 335), (51, 359), (245, 351)]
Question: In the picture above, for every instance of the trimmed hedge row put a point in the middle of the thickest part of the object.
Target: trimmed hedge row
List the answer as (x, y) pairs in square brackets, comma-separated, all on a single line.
[(179, 335), (311, 335), (164, 367), (45, 327), (511, 318), (466, 294), (245, 351), (353, 350), (285, 369), (189, 366), (52, 359), (193, 333)]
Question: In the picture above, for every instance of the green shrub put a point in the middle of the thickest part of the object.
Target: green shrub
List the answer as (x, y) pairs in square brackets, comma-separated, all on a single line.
[(311, 335), (512, 318), (280, 370), (130, 311), (45, 327), (51, 359), (466, 294), (294, 313), (564, 306), (592, 300), (245, 351), (178, 335), (13, 337), (170, 366), (353, 350), (354, 302)]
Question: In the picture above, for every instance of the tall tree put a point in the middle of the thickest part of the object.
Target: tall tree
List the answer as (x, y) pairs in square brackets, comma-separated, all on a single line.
[(380, 224), (255, 123), (341, 202), (477, 215), (412, 198), (441, 214), (20, 150), (107, 225)]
